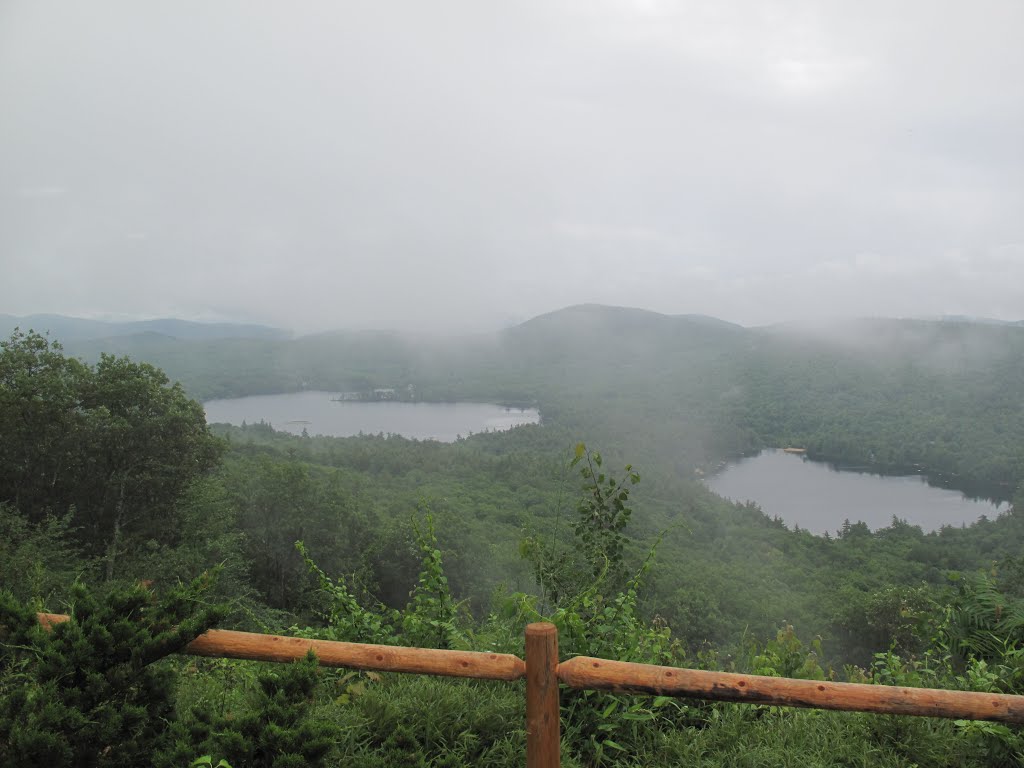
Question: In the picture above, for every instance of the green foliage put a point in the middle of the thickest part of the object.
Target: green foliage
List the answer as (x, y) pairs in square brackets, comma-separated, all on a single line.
[(423, 721), (565, 571), (40, 398), (206, 761), (995, 743), (207, 536), (90, 692), (983, 629), (786, 656), (279, 500), (898, 618), (599, 615), (345, 618), (601, 515), (37, 560), (113, 445), (430, 618), (275, 730), (982, 617), (604, 726)]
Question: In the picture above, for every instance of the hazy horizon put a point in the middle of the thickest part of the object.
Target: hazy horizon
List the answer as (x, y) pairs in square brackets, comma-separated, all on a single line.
[(456, 167), (821, 323)]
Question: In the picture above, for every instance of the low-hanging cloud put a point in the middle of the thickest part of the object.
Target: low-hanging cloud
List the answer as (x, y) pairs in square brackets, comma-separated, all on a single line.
[(460, 165)]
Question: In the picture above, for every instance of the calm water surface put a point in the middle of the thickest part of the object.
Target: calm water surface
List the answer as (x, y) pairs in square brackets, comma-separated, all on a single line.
[(318, 414), (819, 498)]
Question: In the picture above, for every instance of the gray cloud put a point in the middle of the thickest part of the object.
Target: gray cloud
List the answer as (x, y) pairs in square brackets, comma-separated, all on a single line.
[(457, 164)]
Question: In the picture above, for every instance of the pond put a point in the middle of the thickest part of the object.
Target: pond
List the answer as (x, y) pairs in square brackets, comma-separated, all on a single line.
[(818, 497), (320, 414)]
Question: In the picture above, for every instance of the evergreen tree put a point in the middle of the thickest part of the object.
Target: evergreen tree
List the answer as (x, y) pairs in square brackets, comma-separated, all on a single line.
[(276, 732), (89, 691)]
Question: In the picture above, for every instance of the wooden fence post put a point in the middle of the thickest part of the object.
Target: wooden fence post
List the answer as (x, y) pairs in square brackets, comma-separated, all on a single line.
[(543, 731)]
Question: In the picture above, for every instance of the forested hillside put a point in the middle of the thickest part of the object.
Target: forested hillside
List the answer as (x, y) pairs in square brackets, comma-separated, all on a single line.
[(684, 392), (109, 475)]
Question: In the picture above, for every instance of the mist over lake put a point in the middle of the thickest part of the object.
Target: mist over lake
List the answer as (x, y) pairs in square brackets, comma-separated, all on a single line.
[(318, 414), (818, 497)]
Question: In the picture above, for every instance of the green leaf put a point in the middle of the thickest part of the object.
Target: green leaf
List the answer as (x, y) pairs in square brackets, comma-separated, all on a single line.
[(638, 716)]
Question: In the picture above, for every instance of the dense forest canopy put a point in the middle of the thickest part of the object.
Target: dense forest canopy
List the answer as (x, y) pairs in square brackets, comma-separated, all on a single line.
[(682, 391), (109, 475)]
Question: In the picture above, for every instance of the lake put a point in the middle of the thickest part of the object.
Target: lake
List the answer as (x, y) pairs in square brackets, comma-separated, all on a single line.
[(318, 414), (819, 497)]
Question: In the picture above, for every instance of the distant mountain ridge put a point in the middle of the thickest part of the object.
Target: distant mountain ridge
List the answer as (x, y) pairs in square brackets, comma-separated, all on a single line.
[(593, 316), (581, 317), (975, 320), (65, 328)]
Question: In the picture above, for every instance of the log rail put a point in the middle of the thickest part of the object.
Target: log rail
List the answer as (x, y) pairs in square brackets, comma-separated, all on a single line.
[(228, 644), (543, 675), (625, 677)]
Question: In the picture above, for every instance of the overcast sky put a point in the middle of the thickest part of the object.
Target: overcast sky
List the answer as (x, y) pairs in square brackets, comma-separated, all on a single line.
[(456, 165)]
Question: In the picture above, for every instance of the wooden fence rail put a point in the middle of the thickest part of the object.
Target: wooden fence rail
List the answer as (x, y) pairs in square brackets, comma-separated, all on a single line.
[(624, 677), (228, 644), (544, 673)]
